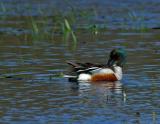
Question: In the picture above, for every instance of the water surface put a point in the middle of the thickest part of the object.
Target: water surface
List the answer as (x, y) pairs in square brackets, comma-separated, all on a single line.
[(32, 93)]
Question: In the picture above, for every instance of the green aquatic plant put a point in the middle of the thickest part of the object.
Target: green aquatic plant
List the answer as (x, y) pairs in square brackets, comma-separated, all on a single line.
[(67, 31), (3, 9), (56, 75), (135, 22), (60, 75), (40, 10), (94, 29), (35, 29), (133, 16), (38, 27), (49, 27), (63, 24), (138, 22)]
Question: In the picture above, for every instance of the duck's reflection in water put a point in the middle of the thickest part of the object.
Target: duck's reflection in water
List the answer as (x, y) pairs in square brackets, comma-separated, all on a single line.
[(107, 91)]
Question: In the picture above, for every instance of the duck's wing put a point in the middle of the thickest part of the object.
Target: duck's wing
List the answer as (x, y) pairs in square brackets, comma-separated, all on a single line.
[(85, 67), (87, 70)]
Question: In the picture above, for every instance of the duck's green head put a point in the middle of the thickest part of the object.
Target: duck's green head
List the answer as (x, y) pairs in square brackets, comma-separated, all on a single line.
[(117, 57)]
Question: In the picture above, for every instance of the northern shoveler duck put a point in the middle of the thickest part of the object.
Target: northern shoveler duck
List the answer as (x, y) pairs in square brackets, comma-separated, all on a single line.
[(112, 71)]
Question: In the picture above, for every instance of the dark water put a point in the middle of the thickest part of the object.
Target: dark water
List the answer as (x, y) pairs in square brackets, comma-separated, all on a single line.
[(31, 93)]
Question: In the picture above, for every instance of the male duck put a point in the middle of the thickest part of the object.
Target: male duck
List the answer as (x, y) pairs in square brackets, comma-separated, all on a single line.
[(112, 71)]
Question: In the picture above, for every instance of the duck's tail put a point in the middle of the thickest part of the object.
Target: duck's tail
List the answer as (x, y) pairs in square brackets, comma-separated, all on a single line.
[(75, 65)]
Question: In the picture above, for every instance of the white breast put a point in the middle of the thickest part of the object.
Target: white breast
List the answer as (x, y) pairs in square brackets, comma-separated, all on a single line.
[(118, 72), (84, 77)]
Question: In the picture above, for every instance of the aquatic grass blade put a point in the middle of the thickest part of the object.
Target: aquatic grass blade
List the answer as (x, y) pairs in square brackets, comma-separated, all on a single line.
[(35, 27), (3, 8), (74, 37), (67, 25)]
